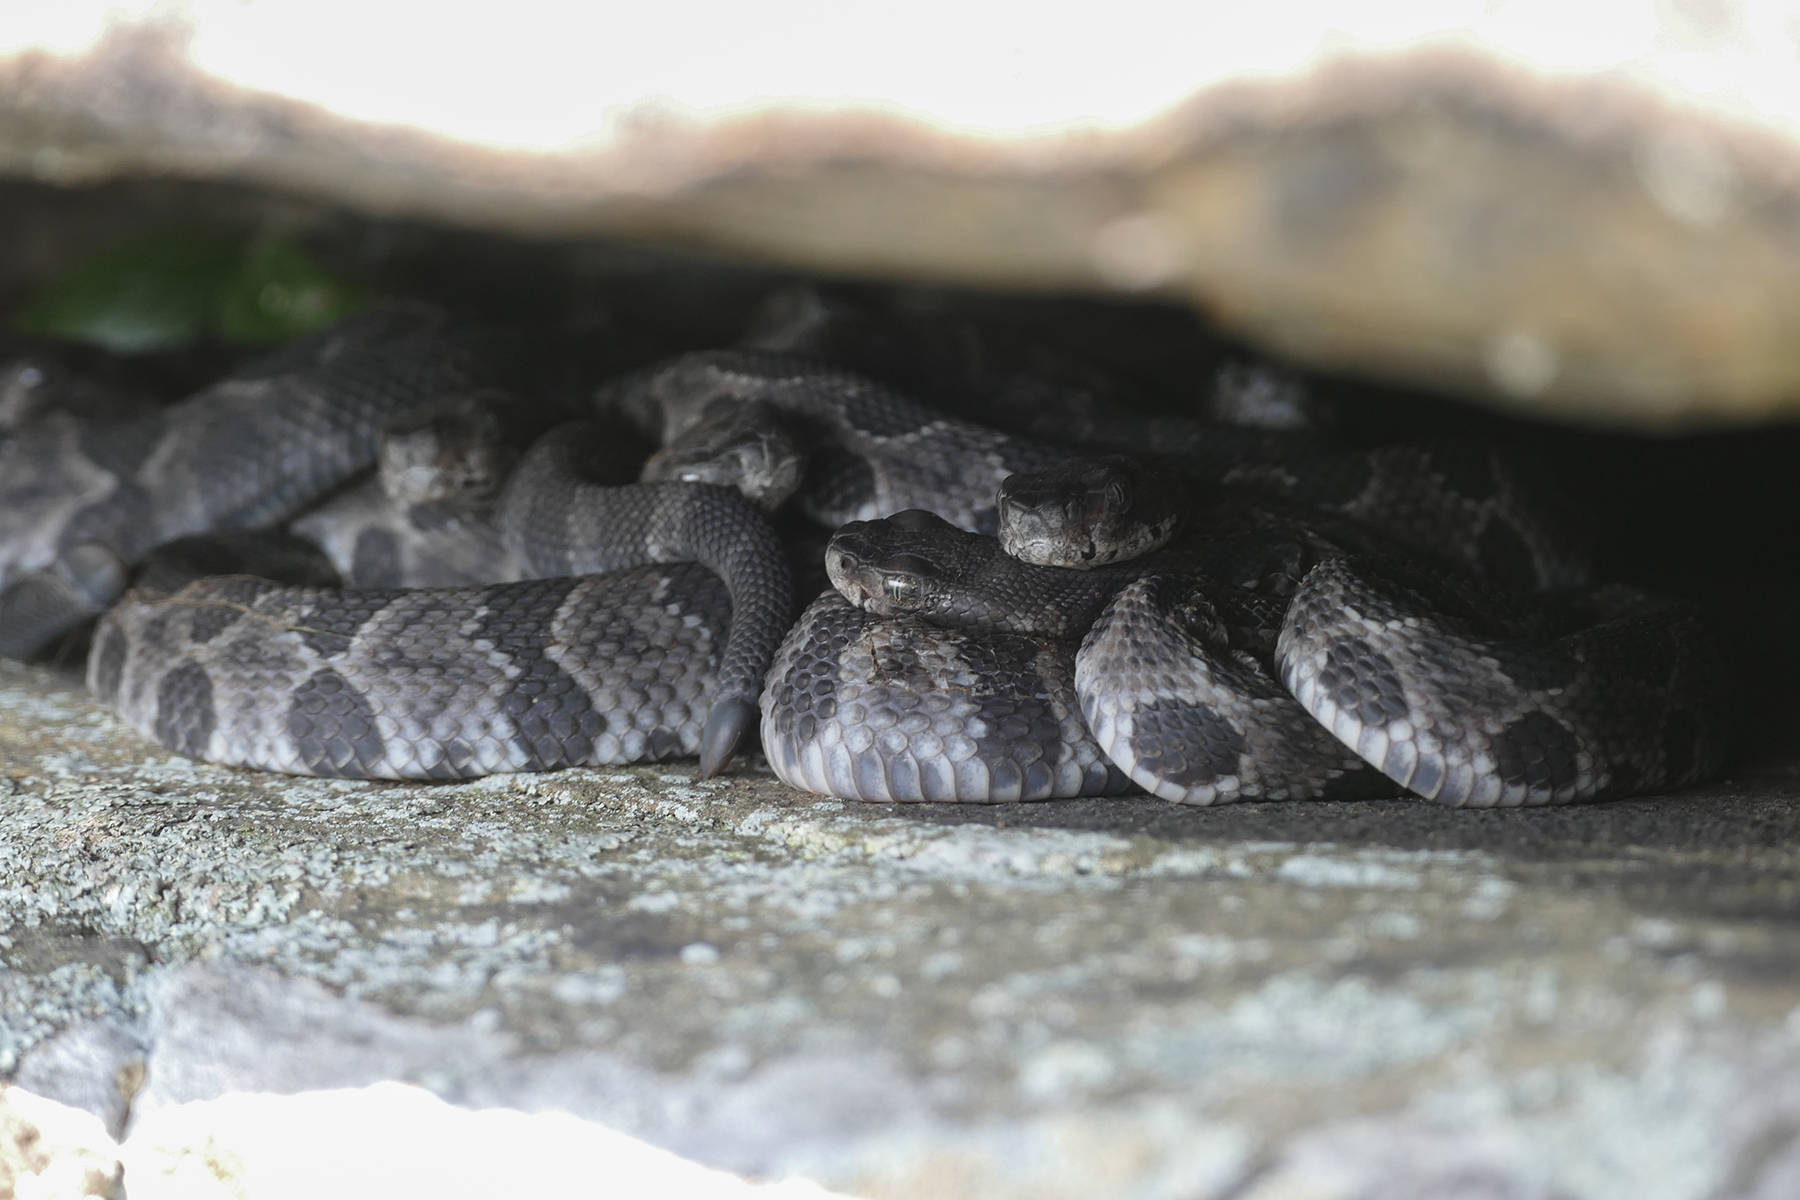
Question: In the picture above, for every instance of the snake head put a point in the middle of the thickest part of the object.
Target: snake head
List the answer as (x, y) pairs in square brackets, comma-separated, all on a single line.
[(899, 565), (746, 445), (454, 454), (1088, 513), (905, 585), (885, 585)]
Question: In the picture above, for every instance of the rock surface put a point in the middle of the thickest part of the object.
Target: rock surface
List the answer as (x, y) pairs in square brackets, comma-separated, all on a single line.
[(541, 984), (1592, 219), (632, 975)]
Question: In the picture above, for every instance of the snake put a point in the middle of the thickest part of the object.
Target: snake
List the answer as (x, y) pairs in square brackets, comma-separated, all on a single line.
[(629, 622), (516, 609), (1274, 654), (917, 581), (588, 639), (83, 501)]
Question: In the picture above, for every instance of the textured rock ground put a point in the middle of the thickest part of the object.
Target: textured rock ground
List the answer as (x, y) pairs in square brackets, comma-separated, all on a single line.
[(1590, 218), (229, 982), (217, 983)]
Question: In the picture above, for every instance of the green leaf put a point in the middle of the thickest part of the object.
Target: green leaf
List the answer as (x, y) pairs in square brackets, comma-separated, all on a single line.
[(152, 291), (276, 292), (167, 288)]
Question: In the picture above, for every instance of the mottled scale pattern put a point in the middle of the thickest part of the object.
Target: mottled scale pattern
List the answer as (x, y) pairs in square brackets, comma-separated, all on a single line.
[(665, 651), (1193, 718), (374, 542), (1462, 504), (1627, 696), (557, 523), (873, 450), (250, 449), (420, 684), (897, 710)]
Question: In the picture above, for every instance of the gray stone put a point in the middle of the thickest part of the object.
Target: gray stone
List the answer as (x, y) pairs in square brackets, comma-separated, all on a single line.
[(1592, 219), (1073, 999), (95, 1065)]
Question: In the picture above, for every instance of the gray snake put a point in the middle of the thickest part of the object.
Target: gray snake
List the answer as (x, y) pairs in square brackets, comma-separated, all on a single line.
[(1281, 656), (591, 653), (620, 621)]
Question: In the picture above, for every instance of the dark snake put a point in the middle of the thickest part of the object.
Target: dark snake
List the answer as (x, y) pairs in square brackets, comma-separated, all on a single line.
[(635, 621), (609, 645), (1279, 654)]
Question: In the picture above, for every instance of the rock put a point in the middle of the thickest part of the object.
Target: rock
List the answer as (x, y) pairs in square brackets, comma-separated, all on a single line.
[(213, 977), (52, 1149), (1587, 220)]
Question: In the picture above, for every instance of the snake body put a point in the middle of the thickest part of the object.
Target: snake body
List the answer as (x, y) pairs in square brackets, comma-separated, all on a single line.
[(1266, 651), (871, 450), (586, 655), (601, 626), (901, 710), (1584, 695), (81, 502), (430, 683), (1285, 655)]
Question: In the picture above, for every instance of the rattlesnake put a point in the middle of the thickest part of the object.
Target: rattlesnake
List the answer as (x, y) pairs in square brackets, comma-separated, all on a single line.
[(1177, 663), (597, 639)]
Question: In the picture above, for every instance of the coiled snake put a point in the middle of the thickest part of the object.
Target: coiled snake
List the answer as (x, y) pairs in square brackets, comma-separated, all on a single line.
[(1285, 644)]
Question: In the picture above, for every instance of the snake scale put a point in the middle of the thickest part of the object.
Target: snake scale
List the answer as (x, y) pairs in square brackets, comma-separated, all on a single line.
[(1262, 632)]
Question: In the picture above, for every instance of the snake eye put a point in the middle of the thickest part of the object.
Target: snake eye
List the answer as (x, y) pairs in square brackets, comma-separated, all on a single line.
[(903, 579), (1118, 496), (903, 591)]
